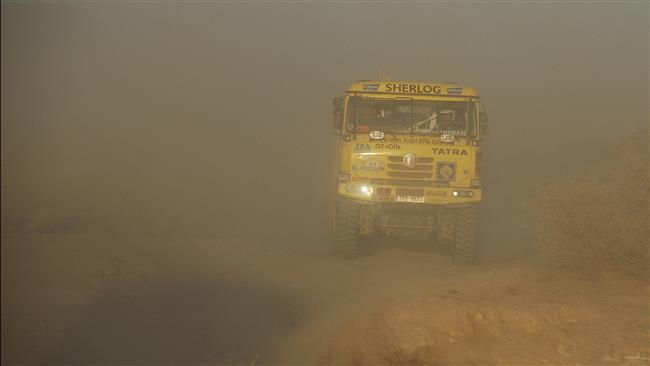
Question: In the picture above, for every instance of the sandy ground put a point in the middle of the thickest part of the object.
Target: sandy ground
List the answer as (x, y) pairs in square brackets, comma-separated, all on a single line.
[(78, 298)]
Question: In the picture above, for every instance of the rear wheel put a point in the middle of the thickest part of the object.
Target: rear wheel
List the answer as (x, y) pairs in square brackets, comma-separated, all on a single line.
[(464, 244), (346, 232)]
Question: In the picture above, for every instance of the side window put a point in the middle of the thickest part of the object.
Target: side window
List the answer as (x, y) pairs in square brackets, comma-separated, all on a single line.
[(337, 103), (471, 119), (483, 121), (352, 112)]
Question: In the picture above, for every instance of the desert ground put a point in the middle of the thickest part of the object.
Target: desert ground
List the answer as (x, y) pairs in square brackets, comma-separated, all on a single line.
[(88, 299)]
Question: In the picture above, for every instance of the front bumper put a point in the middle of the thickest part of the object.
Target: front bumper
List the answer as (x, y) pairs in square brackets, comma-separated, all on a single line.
[(409, 195)]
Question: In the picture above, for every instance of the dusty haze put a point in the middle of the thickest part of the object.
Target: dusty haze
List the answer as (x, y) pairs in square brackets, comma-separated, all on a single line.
[(213, 120)]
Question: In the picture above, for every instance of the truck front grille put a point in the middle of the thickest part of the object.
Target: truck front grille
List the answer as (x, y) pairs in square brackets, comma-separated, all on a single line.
[(399, 159), (409, 175), (423, 169), (409, 183), (417, 168)]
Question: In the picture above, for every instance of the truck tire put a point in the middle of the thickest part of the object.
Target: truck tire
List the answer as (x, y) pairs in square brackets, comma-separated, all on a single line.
[(443, 241), (446, 228), (464, 246), (346, 235)]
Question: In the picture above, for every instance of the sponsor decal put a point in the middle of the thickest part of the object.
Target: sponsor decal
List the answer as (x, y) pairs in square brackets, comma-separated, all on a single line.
[(452, 133), (448, 151), (362, 128), (376, 135), (388, 146), (419, 140), (413, 88), (394, 143), (423, 140), (371, 87), (361, 147), (445, 170), (372, 165)]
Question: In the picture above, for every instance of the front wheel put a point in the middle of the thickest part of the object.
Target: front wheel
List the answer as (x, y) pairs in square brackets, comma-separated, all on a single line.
[(346, 231), (446, 228), (464, 243)]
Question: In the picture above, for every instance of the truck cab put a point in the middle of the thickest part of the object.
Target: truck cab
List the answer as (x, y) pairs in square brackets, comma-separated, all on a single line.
[(408, 163)]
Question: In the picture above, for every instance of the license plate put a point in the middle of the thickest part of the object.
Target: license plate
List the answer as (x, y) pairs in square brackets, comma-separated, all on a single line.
[(410, 198)]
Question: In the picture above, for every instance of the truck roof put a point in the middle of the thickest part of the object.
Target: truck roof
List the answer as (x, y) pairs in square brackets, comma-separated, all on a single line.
[(413, 88)]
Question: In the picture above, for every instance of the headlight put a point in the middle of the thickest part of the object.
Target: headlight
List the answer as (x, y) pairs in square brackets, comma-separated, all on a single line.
[(363, 189), (462, 193), (367, 190)]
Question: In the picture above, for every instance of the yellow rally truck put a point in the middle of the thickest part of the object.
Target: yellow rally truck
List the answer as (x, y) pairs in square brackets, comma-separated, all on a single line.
[(409, 162)]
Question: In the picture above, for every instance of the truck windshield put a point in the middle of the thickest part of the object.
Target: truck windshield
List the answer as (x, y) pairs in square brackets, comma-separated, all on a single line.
[(411, 116)]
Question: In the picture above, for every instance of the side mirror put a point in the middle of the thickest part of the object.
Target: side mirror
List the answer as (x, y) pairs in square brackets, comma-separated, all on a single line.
[(338, 113), (483, 124)]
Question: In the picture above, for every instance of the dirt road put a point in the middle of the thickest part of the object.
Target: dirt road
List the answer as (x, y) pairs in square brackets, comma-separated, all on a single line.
[(84, 299)]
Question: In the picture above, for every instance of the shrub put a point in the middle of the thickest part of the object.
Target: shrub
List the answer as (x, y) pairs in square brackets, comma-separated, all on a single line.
[(590, 226)]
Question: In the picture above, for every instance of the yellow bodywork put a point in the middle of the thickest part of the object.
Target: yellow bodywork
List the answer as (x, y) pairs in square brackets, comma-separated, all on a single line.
[(446, 173)]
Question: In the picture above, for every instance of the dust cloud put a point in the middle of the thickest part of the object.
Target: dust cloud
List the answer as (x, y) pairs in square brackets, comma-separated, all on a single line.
[(166, 128)]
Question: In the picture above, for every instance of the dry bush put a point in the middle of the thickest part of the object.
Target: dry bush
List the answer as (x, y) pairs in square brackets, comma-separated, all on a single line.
[(590, 226)]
